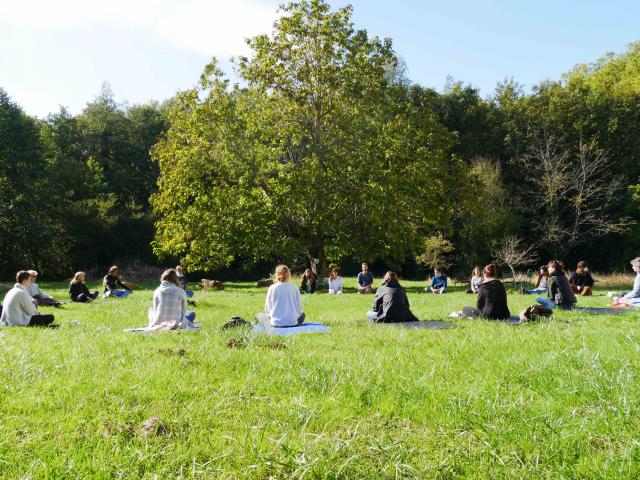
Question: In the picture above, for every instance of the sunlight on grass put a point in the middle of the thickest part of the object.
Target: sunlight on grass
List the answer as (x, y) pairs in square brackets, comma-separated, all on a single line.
[(484, 400)]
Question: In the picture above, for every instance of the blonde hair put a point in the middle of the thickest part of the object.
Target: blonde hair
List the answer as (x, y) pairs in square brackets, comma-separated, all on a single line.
[(76, 277), (283, 274)]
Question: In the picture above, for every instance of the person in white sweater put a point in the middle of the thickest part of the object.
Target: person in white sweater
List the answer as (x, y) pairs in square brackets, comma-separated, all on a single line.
[(335, 283), (283, 305), (170, 303), (632, 298), (19, 308)]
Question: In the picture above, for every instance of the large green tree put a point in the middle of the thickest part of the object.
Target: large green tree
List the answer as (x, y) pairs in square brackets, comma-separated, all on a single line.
[(321, 152)]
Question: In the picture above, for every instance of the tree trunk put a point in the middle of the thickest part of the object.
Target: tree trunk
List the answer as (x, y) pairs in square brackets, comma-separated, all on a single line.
[(316, 252)]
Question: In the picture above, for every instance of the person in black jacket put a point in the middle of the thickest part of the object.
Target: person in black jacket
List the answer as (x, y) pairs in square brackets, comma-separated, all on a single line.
[(581, 281), (492, 298), (113, 286), (559, 292), (78, 291), (391, 304)]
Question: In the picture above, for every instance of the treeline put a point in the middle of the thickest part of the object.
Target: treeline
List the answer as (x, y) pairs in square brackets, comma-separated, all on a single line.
[(74, 190), (328, 151)]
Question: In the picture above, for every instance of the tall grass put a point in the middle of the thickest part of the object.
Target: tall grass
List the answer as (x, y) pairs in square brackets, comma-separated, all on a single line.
[(556, 399)]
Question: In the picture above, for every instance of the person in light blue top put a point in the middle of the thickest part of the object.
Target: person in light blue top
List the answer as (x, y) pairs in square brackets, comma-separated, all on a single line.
[(439, 282), (632, 298)]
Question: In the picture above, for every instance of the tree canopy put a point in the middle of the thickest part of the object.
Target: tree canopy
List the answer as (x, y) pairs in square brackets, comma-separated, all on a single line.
[(320, 153), (325, 150)]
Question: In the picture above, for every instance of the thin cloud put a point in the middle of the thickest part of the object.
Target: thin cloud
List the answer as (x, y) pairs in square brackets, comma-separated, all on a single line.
[(206, 27)]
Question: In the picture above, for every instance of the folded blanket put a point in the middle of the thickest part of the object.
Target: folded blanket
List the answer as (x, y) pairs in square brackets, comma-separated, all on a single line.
[(304, 328)]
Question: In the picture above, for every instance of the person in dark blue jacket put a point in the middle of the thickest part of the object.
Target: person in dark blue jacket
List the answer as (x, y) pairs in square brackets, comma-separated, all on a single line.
[(439, 282)]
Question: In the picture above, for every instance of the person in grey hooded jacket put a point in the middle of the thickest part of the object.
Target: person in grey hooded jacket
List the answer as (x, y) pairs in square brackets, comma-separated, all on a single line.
[(391, 304)]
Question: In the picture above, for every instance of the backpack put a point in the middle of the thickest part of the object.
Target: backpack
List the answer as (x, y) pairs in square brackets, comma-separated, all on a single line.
[(534, 312), (236, 322)]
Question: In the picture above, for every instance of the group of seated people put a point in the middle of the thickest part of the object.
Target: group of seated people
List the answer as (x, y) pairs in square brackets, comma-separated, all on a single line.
[(581, 282), (283, 306), (335, 284)]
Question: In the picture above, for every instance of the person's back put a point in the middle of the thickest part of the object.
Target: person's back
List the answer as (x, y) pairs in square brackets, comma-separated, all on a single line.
[(391, 304), (559, 290), (169, 304), (283, 304), (492, 300)]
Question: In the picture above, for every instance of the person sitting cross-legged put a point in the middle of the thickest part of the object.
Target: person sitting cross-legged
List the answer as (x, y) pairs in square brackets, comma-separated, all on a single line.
[(541, 281), (335, 283), (309, 282), (476, 280), (391, 304), (113, 286), (632, 298), (559, 292), (283, 305), (492, 298), (19, 308), (438, 283), (183, 281), (365, 280), (41, 298), (581, 281), (78, 291), (170, 303)]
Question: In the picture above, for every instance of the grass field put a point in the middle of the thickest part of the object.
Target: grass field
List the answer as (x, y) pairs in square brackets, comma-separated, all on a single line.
[(556, 399)]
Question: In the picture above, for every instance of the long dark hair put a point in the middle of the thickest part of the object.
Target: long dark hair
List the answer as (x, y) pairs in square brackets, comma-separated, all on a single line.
[(556, 264)]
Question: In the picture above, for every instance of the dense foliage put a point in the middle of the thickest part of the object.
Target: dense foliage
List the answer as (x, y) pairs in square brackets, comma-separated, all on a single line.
[(75, 189), (327, 151)]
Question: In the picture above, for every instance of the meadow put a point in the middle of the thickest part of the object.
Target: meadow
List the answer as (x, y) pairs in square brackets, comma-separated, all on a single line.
[(553, 399)]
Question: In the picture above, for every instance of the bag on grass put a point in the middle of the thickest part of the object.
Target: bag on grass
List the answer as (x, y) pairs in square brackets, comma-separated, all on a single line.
[(534, 312), (236, 322)]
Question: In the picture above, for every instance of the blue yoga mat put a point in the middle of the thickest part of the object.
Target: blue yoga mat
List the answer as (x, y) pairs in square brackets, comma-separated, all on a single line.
[(606, 311), (304, 328)]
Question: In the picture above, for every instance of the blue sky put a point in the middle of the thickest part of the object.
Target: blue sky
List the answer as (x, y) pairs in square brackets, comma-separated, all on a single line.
[(59, 53)]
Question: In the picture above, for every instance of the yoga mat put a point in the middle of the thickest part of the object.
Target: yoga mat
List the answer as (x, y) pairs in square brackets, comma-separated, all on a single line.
[(513, 320), (304, 328), (429, 324)]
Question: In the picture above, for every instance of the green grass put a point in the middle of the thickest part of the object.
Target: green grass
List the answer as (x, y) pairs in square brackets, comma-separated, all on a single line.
[(556, 399)]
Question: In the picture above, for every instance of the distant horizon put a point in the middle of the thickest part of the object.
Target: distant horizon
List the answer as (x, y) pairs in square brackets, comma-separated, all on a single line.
[(60, 55)]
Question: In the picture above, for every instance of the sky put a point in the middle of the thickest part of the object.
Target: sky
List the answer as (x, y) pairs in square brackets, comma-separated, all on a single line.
[(59, 53)]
